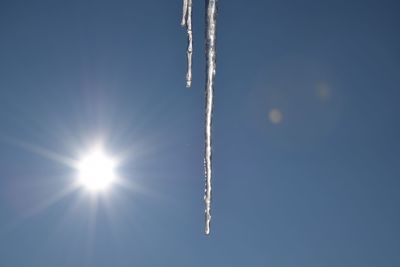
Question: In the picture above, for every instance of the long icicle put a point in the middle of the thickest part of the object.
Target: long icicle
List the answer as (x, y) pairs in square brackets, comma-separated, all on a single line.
[(187, 23), (211, 30)]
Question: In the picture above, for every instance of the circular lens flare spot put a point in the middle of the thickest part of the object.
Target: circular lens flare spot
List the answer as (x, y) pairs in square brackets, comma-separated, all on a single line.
[(275, 116), (97, 170)]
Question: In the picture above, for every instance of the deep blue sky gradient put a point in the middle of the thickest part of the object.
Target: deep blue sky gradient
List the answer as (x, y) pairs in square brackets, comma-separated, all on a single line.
[(319, 188)]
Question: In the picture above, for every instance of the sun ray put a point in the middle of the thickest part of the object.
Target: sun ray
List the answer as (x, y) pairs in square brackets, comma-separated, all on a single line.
[(46, 153), (50, 201)]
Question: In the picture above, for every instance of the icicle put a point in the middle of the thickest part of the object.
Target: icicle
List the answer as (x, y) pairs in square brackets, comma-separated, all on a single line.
[(187, 23), (211, 23)]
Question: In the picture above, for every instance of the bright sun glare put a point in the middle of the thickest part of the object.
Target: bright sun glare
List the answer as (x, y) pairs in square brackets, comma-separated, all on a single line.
[(97, 170)]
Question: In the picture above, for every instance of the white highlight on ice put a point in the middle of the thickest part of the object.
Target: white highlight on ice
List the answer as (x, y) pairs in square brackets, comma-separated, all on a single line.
[(211, 49), (187, 23)]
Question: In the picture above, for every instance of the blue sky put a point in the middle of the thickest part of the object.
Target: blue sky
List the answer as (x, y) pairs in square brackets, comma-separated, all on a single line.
[(306, 126)]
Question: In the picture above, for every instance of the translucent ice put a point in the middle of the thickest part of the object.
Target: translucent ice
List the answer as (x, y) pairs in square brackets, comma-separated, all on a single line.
[(187, 23), (211, 27)]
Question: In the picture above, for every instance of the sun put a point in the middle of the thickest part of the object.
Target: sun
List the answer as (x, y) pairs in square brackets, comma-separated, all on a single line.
[(97, 170)]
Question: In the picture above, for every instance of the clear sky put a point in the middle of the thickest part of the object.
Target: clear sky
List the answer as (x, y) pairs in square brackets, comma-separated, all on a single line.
[(306, 134)]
